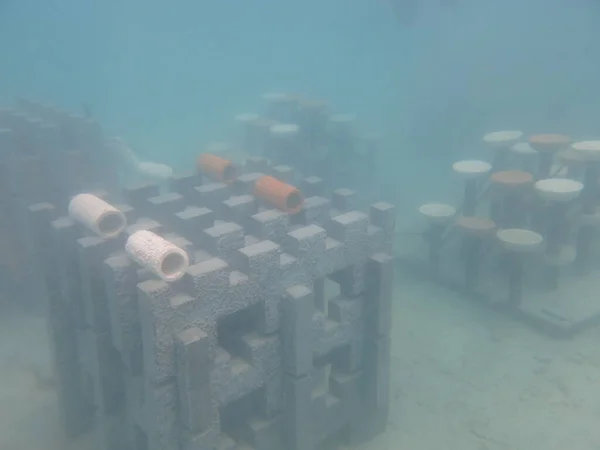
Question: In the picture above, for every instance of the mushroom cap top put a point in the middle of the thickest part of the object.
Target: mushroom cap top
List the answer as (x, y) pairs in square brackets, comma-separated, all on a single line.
[(549, 142), (477, 226), (520, 240), (523, 148), (587, 150), (502, 138), (570, 155), (471, 168), (558, 189), (437, 212), (512, 178)]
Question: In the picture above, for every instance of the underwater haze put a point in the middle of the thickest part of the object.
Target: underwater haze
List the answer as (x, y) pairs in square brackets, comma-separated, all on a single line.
[(166, 76), (431, 77)]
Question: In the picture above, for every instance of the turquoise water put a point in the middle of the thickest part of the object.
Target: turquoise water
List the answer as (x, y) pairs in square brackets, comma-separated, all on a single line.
[(170, 77)]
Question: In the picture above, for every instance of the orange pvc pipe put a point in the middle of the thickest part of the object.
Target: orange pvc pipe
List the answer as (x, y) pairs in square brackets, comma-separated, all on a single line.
[(217, 168), (283, 196)]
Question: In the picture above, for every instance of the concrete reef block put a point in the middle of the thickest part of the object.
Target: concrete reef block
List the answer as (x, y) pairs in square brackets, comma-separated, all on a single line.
[(163, 207), (312, 186), (198, 409), (211, 196), (121, 279), (271, 224), (298, 424), (383, 216), (184, 184), (256, 164), (351, 230), (247, 349), (344, 200), (92, 252), (244, 184), (191, 221), (137, 196), (374, 392), (224, 240), (283, 173), (307, 244), (316, 210), (380, 285), (298, 310), (239, 208)]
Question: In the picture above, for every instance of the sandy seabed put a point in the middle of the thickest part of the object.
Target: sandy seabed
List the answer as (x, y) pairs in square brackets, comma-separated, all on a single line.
[(463, 378)]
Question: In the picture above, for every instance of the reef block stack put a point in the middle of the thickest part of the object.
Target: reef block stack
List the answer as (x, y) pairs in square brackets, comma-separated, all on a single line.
[(248, 347), (46, 155), (524, 238), (296, 131)]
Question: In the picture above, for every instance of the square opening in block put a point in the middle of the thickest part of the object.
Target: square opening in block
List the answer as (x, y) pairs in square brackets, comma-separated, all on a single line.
[(232, 327), (345, 359), (325, 289), (236, 415), (140, 439)]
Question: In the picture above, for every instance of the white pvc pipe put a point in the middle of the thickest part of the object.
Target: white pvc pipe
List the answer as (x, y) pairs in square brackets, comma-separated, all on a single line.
[(155, 171), (158, 255), (97, 216), (124, 152)]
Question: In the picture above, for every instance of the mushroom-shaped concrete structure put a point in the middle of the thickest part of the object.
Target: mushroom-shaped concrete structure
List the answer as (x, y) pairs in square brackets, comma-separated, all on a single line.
[(558, 194), (523, 148), (438, 213), (589, 152), (548, 145), (502, 139), (517, 243), (439, 216), (589, 223), (472, 171), (475, 232), (526, 156), (573, 162), (500, 143), (509, 191), (558, 189)]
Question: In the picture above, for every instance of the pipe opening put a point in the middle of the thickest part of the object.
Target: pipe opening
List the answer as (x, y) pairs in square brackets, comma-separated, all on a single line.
[(111, 223), (172, 264), (293, 201)]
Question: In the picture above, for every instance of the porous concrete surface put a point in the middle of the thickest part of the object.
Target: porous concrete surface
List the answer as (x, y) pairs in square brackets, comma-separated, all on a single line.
[(463, 378)]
